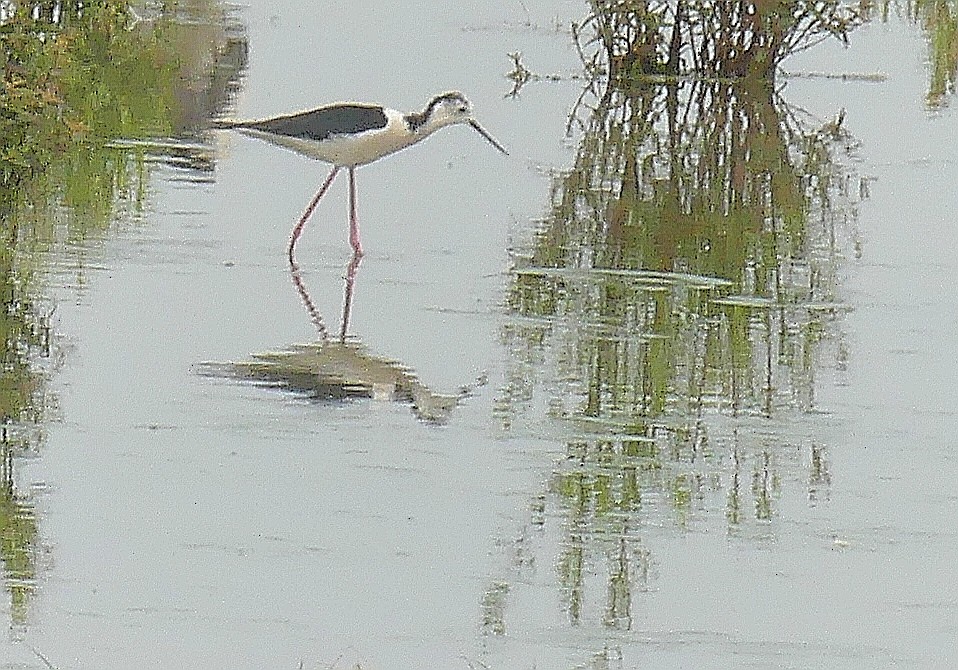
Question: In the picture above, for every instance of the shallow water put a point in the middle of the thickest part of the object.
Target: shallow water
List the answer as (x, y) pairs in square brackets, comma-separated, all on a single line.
[(802, 520)]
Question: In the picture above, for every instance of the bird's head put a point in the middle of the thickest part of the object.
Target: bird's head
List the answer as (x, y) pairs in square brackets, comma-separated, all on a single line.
[(450, 108)]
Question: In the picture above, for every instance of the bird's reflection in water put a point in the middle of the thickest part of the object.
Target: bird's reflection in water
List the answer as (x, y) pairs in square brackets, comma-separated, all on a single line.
[(314, 314), (340, 367)]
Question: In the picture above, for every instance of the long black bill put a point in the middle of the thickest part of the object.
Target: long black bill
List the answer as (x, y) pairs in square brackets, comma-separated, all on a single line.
[(492, 140)]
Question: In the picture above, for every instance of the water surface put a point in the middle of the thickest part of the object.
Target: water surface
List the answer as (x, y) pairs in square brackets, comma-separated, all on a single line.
[(791, 508)]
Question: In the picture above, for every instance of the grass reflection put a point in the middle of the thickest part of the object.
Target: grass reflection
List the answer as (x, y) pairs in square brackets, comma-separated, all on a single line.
[(18, 532), (76, 77), (939, 19), (672, 314)]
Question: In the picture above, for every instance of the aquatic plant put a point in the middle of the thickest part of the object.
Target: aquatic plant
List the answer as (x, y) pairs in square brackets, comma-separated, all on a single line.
[(742, 39)]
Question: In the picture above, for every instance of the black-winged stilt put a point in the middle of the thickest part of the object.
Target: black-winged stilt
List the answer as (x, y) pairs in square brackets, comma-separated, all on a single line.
[(350, 134)]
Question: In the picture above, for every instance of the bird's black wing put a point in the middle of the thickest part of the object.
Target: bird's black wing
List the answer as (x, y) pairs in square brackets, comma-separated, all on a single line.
[(320, 124)]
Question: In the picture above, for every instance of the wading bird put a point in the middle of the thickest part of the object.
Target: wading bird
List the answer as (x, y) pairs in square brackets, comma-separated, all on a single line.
[(350, 134)]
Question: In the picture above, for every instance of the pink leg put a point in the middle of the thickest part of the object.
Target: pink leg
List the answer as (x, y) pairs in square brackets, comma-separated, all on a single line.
[(298, 229), (353, 221)]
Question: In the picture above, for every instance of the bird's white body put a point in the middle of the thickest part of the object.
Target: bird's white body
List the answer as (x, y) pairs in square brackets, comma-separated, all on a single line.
[(350, 150)]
